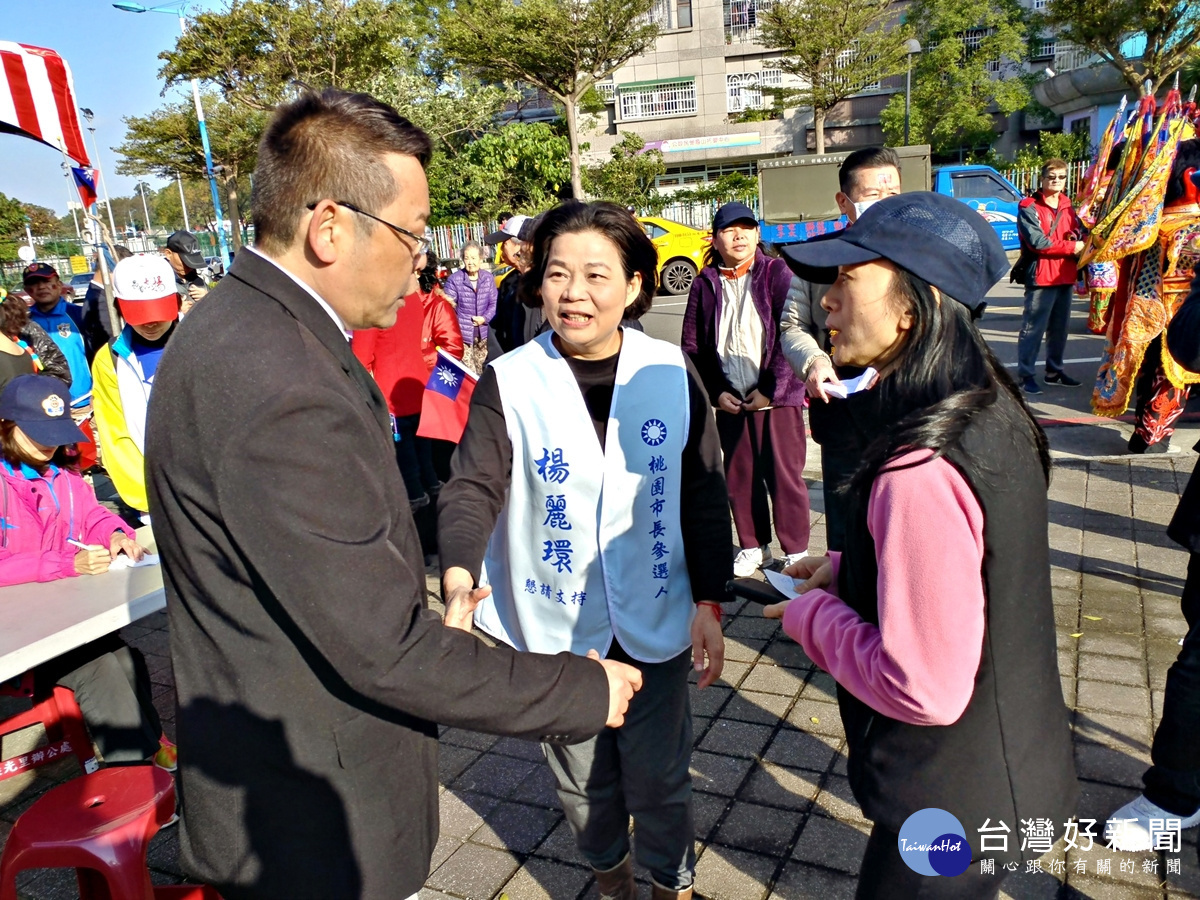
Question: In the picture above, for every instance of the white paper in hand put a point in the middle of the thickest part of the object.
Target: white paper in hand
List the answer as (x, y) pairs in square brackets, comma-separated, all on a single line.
[(125, 562), (851, 385), (785, 584)]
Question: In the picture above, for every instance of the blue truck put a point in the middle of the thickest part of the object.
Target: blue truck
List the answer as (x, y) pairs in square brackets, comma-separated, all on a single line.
[(797, 193)]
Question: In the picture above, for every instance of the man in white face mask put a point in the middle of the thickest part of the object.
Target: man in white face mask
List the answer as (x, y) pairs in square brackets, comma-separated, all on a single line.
[(866, 176)]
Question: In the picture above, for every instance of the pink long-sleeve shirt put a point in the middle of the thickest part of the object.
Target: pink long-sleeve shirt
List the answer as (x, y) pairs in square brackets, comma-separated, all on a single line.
[(919, 664), (39, 514)]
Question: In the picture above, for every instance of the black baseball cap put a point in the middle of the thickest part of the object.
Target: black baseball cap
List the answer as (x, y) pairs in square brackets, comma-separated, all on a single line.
[(185, 244), (40, 405), (38, 271), (940, 240), (733, 212)]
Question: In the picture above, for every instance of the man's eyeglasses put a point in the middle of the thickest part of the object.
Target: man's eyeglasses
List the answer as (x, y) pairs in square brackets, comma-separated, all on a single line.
[(1058, 177), (424, 244)]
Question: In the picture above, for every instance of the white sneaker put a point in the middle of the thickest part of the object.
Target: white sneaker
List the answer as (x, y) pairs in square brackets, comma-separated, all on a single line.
[(1129, 826), (751, 560), (793, 558)]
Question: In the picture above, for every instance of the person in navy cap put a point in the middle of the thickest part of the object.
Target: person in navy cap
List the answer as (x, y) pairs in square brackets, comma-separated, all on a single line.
[(936, 620), (731, 334), (52, 527)]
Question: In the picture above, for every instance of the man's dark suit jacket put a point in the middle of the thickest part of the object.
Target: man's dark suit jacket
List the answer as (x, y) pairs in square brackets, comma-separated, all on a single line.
[(309, 673)]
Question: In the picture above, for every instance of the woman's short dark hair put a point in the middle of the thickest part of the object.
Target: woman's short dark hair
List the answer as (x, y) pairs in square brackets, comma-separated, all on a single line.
[(328, 146), (14, 316), (1054, 164), (428, 276), (942, 376), (614, 222), (65, 458)]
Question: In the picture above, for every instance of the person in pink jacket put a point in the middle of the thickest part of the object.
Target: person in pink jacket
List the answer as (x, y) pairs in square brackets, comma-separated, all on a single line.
[(51, 527)]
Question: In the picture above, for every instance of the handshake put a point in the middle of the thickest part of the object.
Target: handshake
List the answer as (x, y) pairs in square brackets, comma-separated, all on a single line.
[(462, 597)]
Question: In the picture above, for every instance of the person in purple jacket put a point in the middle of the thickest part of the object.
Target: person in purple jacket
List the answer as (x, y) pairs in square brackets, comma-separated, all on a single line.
[(51, 527), (731, 334), (473, 291)]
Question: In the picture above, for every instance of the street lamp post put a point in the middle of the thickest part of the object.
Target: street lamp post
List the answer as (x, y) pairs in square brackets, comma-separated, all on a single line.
[(145, 208), (87, 114), (911, 46), (187, 226), (208, 163)]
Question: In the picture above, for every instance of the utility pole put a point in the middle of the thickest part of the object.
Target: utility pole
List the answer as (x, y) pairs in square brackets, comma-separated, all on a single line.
[(187, 226)]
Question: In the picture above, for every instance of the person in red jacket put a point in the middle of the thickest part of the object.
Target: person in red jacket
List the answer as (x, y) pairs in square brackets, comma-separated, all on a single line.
[(1049, 230), (401, 358)]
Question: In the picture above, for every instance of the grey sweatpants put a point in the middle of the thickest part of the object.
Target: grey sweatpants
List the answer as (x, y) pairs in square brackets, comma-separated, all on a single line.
[(641, 770)]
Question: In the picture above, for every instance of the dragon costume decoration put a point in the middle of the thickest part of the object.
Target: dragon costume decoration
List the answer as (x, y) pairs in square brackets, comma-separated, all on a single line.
[(1141, 201)]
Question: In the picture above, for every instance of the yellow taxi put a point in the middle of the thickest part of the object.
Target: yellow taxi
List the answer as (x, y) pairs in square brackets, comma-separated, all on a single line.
[(681, 252)]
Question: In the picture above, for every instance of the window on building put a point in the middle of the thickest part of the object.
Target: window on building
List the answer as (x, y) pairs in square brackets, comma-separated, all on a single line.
[(607, 90), (1044, 49), (657, 99), (671, 15), (973, 39), (675, 176), (1040, 4), (846, 61), (743, 89), (742, 20), (982, 186)]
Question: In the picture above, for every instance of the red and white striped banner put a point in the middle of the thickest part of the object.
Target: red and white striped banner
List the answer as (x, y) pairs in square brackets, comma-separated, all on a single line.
[(37, 99)]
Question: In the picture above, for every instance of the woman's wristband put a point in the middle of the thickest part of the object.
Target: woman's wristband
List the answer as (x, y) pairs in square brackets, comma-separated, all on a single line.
[(717, 611)]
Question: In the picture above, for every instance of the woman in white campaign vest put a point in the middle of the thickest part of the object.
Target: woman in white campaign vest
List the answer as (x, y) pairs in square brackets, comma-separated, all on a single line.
[(592, 459)]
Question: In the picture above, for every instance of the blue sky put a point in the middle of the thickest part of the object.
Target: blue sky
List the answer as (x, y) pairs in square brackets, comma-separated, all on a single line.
[(113, 56)]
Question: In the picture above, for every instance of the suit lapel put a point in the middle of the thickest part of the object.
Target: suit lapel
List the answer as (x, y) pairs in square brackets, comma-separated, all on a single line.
[(265, 276)]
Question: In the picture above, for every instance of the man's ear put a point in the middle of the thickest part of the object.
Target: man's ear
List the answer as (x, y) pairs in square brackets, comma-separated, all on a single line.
[(323, 231)]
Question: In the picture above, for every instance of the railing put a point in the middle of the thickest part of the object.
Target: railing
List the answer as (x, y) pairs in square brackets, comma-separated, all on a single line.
[(1029, 179), (743, 90), (742, 24), (656, 101), (1068, 56), (698, 214)]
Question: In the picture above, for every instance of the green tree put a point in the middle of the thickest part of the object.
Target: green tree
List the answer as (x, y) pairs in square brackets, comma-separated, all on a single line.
[(168, 141), (627, 178), (12, 227), (561, 46), (521, 167), (255, 51), (1171, 29), (967, 71), (835, 47)]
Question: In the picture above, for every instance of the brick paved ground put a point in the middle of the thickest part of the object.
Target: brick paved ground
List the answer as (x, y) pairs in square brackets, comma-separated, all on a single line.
[(775, 818)]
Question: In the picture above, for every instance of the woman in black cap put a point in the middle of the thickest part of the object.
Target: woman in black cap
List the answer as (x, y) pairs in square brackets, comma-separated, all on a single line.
[(731, 335), (936, 621)]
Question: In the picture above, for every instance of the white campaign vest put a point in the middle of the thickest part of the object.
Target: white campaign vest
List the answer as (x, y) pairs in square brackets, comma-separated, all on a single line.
[(588, 544)]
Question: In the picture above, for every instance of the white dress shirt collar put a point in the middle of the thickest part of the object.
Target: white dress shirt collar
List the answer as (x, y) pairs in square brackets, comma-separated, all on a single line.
[(337, 320)]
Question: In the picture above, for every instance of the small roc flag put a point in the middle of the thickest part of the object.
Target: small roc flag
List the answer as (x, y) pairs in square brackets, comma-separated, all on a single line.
[(447, 399), (85, 181)]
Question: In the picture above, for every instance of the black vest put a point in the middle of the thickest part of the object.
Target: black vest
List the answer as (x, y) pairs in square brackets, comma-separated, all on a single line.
[(1009, 757)]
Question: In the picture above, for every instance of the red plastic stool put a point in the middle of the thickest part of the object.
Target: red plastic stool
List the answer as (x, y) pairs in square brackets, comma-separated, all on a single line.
[(66, 732), (100, 825)]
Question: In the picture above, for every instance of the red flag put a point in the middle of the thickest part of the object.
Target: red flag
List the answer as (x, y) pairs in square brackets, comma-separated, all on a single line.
[(447, 399), (37, 98)]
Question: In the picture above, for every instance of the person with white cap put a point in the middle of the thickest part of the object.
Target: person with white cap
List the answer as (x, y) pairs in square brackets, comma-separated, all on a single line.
[(123, 371), (936, 620)]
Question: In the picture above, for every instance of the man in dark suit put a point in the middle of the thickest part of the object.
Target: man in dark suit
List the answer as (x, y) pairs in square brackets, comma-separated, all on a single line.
[(309, 674)]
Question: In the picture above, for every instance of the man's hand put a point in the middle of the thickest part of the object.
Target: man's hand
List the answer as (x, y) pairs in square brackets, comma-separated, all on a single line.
[(1079, 245), (707, 638), (461, 597), (92, 562), (729, 403), (196, 292), (623, 681), (817, 572), (122, 544), (756, 401), (820, 372)]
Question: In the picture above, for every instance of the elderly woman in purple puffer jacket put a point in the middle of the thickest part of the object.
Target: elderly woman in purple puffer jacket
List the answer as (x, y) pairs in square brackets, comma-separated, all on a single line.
[(473, 291)]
